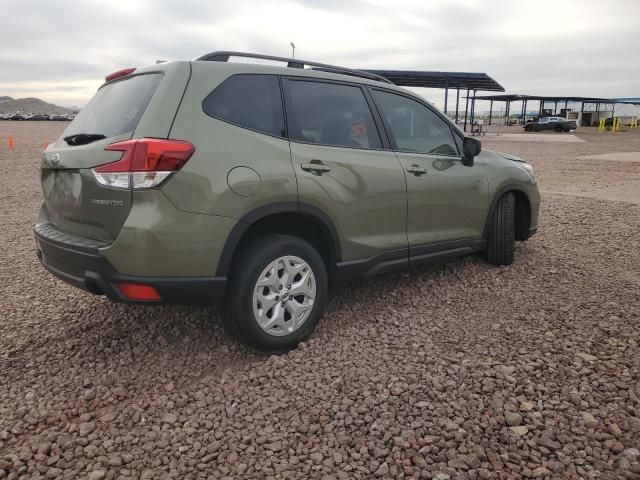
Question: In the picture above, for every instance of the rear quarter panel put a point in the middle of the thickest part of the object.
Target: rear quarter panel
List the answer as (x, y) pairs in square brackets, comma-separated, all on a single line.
[(201, 186)]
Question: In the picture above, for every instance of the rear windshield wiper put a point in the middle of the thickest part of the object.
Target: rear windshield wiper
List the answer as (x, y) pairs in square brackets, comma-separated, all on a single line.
[(83, 138)]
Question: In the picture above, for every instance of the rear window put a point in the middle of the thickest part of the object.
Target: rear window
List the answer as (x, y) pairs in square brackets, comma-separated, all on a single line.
[(117, 107), (250, 101), (330, 114)]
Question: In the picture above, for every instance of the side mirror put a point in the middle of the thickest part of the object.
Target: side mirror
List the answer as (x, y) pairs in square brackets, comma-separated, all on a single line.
[(471, 147)]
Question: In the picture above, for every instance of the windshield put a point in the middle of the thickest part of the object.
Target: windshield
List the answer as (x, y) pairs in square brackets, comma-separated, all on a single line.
[(116, 108)]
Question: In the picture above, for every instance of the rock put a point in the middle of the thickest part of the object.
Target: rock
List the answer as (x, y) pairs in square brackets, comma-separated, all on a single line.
[(507, 371), (380, 452), (541, 472), (441, 476), (120, 392), (547, 442), (519, 431), (170, 418), (615, 430), (419, 461), (631, 454), (589, 420), (513, 419), (586, 357), (86, 428), (317, 457), (274, 446), (458, 463), (382, 471), (527, 406), (473, 461), (97, 475)]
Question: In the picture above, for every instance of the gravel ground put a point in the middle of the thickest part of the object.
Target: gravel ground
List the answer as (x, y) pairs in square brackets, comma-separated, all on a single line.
[(459, 370)]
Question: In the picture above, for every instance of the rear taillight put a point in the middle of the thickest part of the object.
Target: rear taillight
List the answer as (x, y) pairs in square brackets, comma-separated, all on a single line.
[(145, 163)]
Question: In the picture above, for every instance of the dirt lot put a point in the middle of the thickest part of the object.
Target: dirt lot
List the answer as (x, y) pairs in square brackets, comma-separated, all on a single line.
[(460, 370)]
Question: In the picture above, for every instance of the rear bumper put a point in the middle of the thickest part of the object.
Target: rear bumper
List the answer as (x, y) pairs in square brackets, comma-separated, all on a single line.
[(81, 265)]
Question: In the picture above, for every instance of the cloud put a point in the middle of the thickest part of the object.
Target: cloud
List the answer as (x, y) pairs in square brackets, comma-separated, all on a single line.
[(541, 47)]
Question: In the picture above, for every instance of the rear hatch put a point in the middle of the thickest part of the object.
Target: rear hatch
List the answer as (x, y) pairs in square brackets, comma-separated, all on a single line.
[(138, 104)]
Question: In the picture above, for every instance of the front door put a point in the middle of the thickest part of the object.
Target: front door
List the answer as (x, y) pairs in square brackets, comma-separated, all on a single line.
[(342, 169), (447, 201)]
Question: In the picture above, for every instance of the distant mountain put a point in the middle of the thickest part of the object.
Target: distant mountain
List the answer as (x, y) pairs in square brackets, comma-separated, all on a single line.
[(31, 105)]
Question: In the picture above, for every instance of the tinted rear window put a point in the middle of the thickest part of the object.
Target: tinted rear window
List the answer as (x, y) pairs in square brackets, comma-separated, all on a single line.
[(117, 107), (250, 101), (330, 114)]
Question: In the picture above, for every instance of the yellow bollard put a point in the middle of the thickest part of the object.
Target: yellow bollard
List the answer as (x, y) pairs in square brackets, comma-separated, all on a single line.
[(601, 124), (634, 122)]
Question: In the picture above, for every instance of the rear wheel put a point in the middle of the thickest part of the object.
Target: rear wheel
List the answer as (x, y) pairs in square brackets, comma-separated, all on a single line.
[(277, 293), (501, 239)]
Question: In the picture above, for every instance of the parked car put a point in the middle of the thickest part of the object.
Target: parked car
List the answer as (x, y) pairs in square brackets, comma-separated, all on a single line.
[(557, 124), (37, 117), (256, 186)]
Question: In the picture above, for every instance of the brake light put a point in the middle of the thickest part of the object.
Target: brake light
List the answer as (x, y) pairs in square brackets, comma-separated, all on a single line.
[(145, 163), (139, 291), (120, 73)]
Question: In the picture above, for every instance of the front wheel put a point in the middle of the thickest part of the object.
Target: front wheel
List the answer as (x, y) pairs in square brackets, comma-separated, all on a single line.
[(276, 294), (501, 239)]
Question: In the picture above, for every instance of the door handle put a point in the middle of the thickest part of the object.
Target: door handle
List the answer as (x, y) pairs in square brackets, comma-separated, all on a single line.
[(416, 170), (316, 167)]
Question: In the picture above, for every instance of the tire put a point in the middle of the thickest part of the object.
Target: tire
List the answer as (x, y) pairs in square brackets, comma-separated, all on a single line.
[(501, 239), (259, 260), (559, 129)]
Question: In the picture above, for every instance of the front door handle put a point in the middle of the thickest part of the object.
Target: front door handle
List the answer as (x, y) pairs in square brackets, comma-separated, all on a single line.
[(316, 167), (416, 170)]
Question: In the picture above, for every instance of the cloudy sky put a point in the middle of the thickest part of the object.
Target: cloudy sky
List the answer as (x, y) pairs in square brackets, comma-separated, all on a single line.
[(60, 50)]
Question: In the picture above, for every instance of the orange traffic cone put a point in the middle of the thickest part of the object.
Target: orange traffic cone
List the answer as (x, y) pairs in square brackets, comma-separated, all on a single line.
[(10, 143)]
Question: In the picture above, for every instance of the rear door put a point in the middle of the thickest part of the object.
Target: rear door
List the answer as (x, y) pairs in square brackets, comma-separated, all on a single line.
[(74, 202), (447, 201), (342, 168)]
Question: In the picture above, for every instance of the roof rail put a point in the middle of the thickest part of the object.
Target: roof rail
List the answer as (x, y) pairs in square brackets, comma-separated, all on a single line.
[(223, 56)]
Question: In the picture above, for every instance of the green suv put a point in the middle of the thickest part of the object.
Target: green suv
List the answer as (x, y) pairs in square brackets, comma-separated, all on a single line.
[(256, 186)]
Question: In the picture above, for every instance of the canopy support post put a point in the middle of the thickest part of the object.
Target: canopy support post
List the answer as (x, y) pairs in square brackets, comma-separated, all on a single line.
[(466, 108)]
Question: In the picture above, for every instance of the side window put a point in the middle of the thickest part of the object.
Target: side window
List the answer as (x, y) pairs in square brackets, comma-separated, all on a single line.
[(250, 101), (330, 114), (415, 127)]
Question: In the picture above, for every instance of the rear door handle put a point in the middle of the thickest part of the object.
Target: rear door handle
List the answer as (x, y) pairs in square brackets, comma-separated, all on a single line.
[(416, 170), (316, 167)]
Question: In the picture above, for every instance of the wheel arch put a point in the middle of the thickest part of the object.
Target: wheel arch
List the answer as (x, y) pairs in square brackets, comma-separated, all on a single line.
[(522, 210), (302, 220)]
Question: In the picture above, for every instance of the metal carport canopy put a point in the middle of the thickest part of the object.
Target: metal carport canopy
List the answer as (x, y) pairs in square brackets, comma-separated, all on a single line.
[(447, 80), (543, 99), (454, 80)]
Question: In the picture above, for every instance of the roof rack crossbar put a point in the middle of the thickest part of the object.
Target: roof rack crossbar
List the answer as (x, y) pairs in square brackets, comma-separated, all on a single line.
[(223, 56)]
